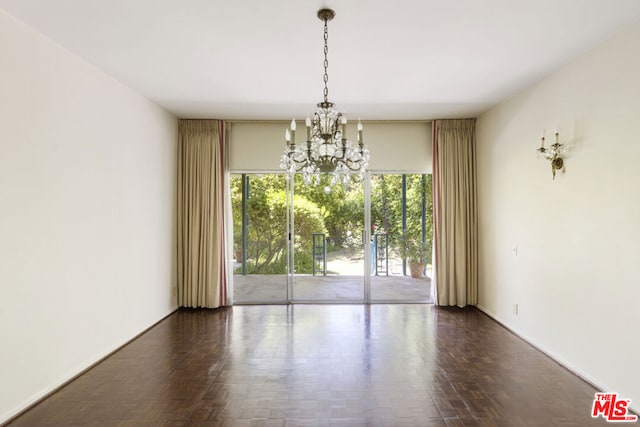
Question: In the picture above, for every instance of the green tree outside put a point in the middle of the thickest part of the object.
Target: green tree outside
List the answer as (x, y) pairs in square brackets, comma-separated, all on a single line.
[(334, 210)]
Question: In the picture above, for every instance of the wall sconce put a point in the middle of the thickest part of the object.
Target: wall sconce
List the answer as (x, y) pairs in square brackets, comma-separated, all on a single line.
[(553, 154)]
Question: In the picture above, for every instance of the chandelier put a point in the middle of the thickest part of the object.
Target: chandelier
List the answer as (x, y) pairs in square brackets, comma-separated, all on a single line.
[(327, 149)]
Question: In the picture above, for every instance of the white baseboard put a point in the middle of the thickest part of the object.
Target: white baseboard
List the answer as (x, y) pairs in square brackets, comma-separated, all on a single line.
[(64, 380), (560, 361)]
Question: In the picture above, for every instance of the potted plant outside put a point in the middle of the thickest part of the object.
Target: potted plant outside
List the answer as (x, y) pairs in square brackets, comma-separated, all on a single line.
[(416, 253)]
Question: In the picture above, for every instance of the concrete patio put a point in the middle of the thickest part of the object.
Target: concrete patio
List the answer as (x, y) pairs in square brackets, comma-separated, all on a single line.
[(272, 288), (344, 283)]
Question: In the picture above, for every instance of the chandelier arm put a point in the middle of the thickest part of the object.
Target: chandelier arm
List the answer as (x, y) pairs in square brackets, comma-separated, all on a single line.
[(353, 169), (348, 163), (342, 156)]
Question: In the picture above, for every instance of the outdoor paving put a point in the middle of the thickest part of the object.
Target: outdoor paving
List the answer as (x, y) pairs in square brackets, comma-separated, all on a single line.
[(272, 288), (344, 282)]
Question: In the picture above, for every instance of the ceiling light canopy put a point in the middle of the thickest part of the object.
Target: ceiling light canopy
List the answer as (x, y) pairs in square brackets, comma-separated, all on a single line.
[(327, 149)]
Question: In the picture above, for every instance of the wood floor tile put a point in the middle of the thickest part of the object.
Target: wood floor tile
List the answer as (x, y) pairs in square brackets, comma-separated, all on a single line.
[(322, 365)]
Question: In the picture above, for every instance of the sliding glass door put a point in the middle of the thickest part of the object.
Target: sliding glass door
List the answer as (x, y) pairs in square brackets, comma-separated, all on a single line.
[(401, 218), (260, 230), (366, 241), (327, 223)]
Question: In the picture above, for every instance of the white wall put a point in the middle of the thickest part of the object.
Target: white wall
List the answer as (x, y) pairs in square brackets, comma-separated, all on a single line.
[(87, 195), (393, 146), (575, 277)]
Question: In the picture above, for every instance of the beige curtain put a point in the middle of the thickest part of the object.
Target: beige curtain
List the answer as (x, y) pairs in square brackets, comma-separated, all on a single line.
[(202, 255), (455, 213)]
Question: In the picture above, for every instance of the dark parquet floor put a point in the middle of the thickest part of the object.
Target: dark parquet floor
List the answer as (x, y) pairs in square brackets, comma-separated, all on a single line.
[(323, 365)]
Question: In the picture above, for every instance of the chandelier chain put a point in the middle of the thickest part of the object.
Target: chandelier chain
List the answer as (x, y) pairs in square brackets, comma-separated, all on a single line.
[(326, 60)]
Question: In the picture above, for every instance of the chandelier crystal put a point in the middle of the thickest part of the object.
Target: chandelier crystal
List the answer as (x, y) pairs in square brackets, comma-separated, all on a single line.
[(327, 149)]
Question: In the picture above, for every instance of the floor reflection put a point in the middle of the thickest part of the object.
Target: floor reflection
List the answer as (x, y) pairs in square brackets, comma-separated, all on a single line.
[(322, 365)]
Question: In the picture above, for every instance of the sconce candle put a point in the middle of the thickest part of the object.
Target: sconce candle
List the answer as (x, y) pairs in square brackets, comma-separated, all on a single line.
[(553, 154)]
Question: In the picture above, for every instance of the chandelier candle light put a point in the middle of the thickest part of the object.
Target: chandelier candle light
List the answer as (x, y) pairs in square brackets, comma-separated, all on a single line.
[(327, 149)]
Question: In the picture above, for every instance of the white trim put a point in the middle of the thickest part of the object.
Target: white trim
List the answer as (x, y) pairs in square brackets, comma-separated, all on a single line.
[(560, 361)]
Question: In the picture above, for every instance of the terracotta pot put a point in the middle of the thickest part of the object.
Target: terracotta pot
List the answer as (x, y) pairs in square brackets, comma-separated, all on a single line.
[(416, 269)]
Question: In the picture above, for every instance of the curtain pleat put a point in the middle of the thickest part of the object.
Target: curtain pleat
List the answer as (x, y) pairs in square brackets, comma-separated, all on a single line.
[(202, 254), (455, 213), (227, 291)]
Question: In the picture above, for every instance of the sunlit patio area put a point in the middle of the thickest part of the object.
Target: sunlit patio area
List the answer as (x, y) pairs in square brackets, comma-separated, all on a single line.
[(272, 288), (343, 284)]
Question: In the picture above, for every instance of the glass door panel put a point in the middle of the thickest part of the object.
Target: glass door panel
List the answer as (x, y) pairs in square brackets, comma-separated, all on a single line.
[(328, 241), (401, 227), (259, 208)]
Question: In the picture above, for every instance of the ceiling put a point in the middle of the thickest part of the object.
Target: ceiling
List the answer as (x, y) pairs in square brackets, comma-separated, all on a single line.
[(388, 60)]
